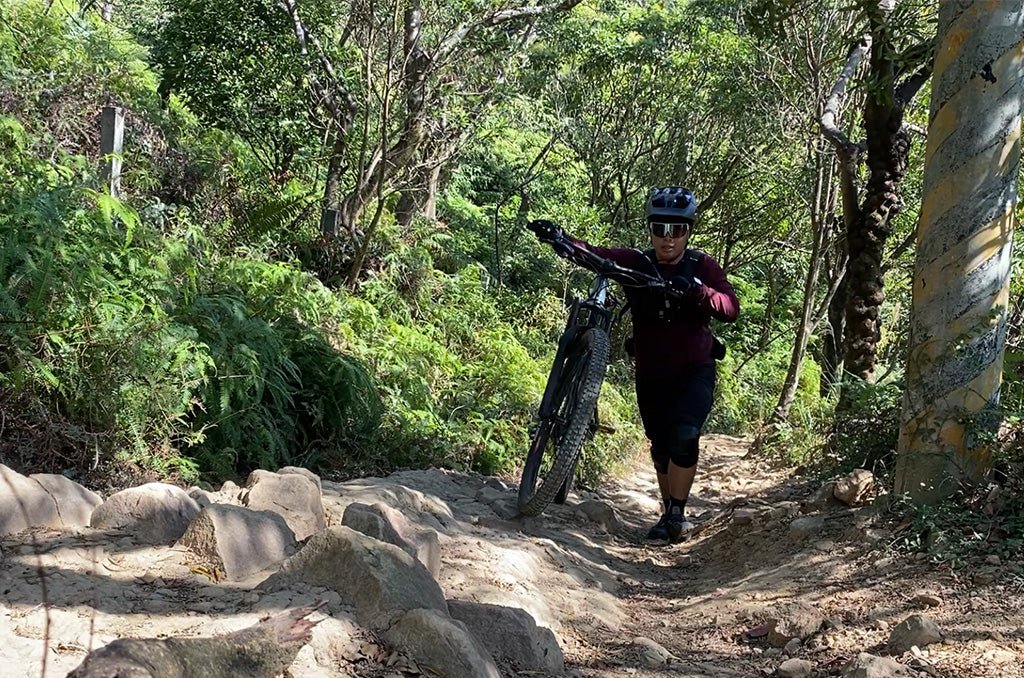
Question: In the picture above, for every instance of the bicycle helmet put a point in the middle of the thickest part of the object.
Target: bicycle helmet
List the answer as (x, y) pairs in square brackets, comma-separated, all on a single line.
[(671, 203)]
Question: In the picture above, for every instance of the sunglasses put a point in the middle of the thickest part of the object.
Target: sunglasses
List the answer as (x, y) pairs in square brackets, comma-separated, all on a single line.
[(663, 230)]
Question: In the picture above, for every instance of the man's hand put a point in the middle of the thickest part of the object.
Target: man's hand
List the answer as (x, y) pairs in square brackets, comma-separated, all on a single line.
[(546, 231), (683, 284)]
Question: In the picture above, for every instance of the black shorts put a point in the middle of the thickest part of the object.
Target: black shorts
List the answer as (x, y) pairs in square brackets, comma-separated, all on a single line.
[(675, 406)]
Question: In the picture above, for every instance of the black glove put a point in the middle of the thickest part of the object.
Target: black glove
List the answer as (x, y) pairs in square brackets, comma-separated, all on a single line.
[(547, 231), (683, 284)]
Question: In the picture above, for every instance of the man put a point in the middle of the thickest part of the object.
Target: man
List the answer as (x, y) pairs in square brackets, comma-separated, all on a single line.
[(674, 349)]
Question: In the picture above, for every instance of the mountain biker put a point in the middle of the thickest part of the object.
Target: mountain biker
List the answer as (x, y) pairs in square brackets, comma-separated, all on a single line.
[(673, 346)]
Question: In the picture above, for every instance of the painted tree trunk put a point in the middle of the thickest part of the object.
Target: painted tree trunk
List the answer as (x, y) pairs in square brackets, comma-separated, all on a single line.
[(961, 276)]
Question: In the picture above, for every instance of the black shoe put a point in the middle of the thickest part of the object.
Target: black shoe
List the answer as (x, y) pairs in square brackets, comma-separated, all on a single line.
[(659, 532), (677, 528)]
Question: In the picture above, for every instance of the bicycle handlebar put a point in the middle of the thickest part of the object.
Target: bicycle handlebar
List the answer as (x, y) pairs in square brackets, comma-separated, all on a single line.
[(620, 274)]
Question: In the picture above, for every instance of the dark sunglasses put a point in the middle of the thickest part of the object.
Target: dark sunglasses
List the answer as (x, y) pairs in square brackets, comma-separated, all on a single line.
[(663, 230)]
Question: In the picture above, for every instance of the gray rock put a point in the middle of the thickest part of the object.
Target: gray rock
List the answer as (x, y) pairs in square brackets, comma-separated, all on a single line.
[(928, 599), (489, 495), (917, 629), (792, 647), (295, 497), (744, 516), (155, 513), (808, 526), (795, 668), (854, 488), (75, 503), (869, 666), (600, 512), (652, 654), (382, 522), (507, 509), (436, 640), (23, 503), (511, 634), (380, 581), (42, 500), (304, 472), (821, 500), (238, 541), (796, 621)]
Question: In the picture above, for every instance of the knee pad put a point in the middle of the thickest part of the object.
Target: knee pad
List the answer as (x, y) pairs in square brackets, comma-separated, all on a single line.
[(685, 447), (660, 456)]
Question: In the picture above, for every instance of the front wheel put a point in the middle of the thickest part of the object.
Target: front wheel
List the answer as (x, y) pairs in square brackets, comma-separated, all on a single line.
[(556, 444)]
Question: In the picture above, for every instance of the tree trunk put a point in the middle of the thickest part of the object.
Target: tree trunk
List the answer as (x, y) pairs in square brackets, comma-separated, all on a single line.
[(962, 270), (821, 208), (832, 341)]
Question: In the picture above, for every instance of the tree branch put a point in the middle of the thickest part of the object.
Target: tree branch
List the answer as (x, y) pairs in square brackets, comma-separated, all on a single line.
[(829, 117), (495, 18)]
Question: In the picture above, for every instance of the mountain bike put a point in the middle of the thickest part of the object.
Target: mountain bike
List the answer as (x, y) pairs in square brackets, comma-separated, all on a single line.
[(567, 416)]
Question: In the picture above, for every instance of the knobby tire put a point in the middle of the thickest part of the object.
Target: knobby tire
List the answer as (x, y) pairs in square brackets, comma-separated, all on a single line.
[(575, 401)]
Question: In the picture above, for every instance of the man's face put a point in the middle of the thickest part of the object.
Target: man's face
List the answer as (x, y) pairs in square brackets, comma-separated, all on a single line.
[(669, 239)]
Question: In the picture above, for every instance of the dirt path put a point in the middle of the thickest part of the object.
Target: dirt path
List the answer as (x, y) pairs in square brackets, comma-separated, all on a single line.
[(698, 599), (618, 605)]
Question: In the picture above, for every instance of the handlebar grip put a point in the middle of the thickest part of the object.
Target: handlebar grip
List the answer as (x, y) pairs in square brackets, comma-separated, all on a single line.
[(562, 248)]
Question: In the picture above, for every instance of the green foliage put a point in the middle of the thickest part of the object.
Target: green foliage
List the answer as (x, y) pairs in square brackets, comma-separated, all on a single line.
[(865, 433)]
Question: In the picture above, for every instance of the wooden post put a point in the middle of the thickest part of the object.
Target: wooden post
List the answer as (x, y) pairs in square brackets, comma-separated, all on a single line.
[(111, 145)]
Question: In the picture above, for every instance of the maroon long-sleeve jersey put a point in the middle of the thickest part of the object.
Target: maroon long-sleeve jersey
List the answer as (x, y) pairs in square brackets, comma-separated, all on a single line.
[(665, 343)]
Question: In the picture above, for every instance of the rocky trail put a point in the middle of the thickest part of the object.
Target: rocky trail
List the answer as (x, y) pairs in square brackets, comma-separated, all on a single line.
[(431, 573)]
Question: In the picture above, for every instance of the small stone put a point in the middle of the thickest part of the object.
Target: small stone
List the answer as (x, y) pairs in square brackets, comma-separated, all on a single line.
[(652, 654), (251, 598), (880, 624), (202, 607), (853, 489), (792, 648), (996, 636), (983, 578), (794, 668), (917, 629), (928, 599), (993, 560), (801, 528), (743, 516), (869, 666), (825, 545), (211, 592)]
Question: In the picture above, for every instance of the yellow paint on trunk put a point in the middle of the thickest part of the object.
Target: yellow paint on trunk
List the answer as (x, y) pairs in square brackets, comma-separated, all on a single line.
[(962, 258), (985, 167)]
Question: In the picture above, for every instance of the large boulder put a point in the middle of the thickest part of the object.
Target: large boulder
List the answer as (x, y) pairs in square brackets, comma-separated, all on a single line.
[(436, 640), (23, 503), (379, 581), (237, 541), (382, 522), (304, 472), (155, 513), (42, 500), (295, 497), (74, 503), (511, 634)]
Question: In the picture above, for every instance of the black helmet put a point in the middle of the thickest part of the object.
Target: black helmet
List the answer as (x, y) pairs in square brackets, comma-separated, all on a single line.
[(671, 203)]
